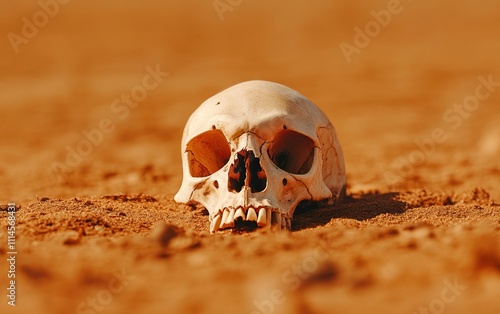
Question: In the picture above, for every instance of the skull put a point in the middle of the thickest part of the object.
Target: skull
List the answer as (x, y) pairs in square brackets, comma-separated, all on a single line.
[(252, 152)]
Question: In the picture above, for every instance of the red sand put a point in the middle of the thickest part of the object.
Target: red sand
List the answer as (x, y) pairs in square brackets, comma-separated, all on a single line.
[(100, 233)]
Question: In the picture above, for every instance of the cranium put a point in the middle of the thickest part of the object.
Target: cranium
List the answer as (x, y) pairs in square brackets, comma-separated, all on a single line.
[(254, 151)]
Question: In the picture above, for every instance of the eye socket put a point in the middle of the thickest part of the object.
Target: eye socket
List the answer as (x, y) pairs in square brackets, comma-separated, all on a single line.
[(292, 152), (207, 153)]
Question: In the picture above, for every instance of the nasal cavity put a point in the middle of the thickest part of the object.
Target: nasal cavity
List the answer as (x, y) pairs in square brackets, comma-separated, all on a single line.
[(246, 171)]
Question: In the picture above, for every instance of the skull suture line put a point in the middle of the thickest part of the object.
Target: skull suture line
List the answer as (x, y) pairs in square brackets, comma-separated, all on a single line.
[(254, 151)]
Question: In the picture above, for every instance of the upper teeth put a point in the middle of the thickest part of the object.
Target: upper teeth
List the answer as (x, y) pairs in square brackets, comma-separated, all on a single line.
[(239, 214), (252, 215), (264, 217)]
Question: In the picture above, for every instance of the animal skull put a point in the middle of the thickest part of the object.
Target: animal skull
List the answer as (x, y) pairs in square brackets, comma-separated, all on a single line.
[(254, 151)]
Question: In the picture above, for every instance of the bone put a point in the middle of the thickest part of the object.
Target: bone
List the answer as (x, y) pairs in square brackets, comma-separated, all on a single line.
[(251, 214), (239, 214), (243, 166), (262, 219), (215, 224)]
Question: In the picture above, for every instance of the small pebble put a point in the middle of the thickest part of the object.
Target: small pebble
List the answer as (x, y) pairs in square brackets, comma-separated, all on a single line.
[(71, 237), (163, 232)]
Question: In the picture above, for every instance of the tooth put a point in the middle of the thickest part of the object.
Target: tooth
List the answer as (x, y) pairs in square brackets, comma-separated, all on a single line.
[(230, 218), (215, 224), (224, 218), (276, 220), (239, 214), (269, 216), (283, 222), (251, 214), (262, 219), (289, 223)]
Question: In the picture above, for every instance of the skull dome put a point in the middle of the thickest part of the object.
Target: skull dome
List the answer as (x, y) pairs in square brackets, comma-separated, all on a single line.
[(254, 151)]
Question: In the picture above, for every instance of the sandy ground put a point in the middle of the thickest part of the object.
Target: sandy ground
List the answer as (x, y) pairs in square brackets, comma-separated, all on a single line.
[(415, 102)]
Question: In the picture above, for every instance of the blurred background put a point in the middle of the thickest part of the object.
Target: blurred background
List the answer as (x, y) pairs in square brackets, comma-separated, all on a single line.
[(63, 65)]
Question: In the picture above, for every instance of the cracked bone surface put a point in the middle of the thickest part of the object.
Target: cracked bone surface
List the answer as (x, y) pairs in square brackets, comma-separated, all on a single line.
[(253, 152)]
